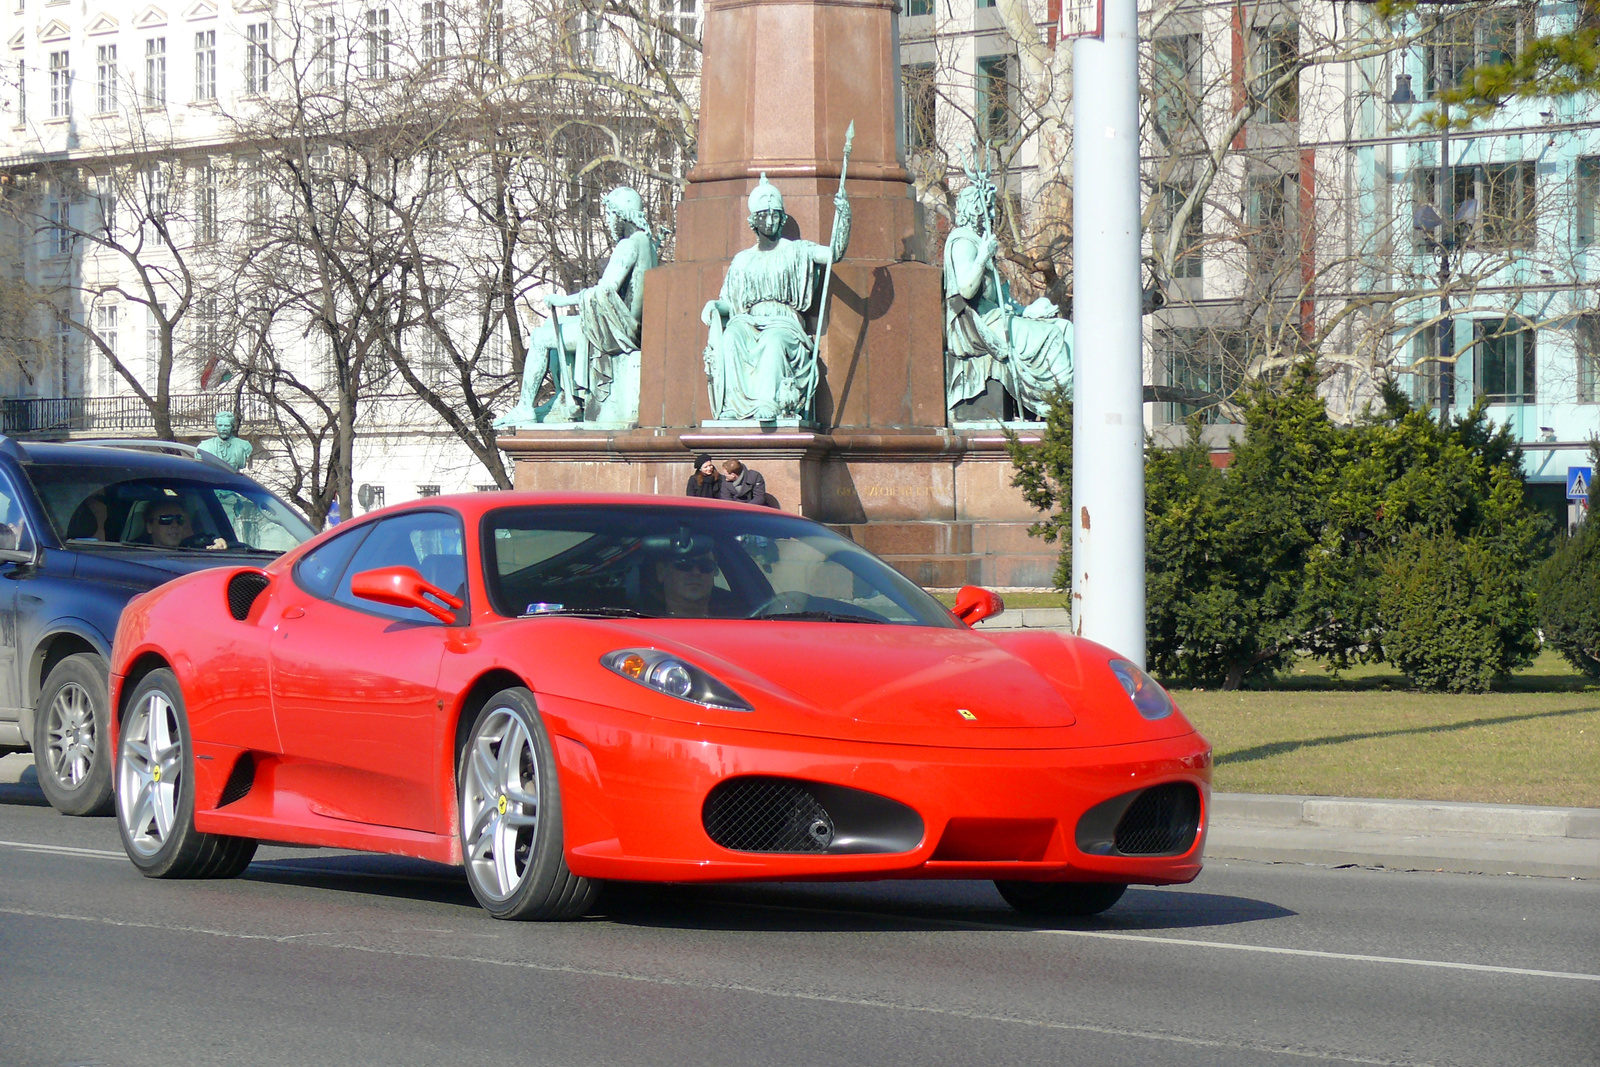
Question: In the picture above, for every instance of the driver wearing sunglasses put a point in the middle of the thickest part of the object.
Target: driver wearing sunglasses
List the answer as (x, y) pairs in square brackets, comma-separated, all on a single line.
[(686, 584), (168, 525)]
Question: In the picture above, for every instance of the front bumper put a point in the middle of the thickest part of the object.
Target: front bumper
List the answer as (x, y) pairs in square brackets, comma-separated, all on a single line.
[(633, 789)]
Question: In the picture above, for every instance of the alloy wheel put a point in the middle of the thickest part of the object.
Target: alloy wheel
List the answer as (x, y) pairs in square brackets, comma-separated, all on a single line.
[(69, 729), (500, 803), (149, 773)]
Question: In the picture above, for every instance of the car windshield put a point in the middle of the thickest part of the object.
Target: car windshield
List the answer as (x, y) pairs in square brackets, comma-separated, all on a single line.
[(91, 505), (691, 562)]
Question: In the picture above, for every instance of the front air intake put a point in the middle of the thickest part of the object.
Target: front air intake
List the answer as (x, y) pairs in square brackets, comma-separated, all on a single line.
[(762, 814), (243, 588), (1160, 821)]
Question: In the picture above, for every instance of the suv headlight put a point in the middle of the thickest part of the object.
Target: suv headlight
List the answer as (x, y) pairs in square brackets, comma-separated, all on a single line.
[(1146, 693), (666, 673)]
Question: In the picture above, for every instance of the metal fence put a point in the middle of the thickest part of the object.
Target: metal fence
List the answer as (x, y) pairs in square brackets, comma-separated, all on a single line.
[(112, 415)]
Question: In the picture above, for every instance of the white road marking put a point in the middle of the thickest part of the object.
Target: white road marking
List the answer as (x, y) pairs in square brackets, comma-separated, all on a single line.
[(64, 850)]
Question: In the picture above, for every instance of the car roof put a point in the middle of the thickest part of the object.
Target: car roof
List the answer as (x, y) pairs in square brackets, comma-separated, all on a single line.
[(474, 505), (142, 459)]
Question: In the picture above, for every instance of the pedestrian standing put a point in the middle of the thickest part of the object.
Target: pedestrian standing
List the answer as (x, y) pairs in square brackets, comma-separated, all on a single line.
[(706, 479), (745, 485)]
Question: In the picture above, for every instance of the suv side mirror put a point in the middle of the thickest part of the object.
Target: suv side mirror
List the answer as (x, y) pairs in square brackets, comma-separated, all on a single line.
[(403, 587), (974, 604)]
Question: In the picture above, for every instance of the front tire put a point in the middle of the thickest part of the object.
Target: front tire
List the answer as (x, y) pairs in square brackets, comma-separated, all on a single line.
[(510, 807), (155, 791), (71, 755), (1061, 900)]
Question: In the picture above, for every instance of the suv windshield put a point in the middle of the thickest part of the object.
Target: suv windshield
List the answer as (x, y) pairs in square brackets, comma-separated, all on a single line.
[(691, 562), (134, 506)]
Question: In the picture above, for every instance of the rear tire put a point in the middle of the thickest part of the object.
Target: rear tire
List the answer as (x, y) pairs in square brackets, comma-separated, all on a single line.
[(70, 752), (155, 791), (510, 808), (1061, 899)]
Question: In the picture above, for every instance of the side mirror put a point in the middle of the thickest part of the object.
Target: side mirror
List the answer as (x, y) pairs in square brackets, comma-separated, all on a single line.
[(974, 604), (403, 587)]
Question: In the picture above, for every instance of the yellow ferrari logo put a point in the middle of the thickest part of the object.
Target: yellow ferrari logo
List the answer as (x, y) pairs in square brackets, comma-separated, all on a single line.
[(965, 714), (157, 774), (502, 805)]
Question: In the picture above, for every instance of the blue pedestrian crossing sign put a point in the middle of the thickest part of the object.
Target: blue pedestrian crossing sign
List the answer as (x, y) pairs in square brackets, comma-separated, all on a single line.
[(1579, 479)]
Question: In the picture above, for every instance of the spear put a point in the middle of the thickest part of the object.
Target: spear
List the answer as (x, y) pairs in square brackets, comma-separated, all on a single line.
[(827, 276)]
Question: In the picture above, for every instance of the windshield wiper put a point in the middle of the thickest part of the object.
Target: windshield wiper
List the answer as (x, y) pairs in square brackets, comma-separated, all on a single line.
[(819, 616), (604, 613)]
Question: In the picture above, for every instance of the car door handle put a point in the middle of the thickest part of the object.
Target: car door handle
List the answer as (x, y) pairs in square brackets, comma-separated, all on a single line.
[(293, 612)]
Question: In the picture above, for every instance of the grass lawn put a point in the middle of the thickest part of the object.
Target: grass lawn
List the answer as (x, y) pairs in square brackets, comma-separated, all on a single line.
[(1535, 740)]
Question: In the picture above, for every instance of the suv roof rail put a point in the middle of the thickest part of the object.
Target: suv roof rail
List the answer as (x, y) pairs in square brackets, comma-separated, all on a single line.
[(169, 448), (10, 446)]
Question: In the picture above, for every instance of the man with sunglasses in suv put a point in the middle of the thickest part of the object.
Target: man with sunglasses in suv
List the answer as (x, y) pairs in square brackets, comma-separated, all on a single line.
[(168, 525)]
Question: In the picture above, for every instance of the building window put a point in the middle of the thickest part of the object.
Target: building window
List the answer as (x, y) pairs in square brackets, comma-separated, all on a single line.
[(921, 116), (64, 352), (994, 99), (105, 78), (1503, 361), (1176, 83), (433, 28), (1269, 221), (60, 85), (325, 61), (679, 15), (256, 203), (1588, 368), (1586, 179), (152, 341), (105, 328), (155, 72), (157, 208), (1204, 365), (258, 59), (1187, 262), (378, 43), (60, 238), (207, 334), (1433, 381), (427, 490), (981, 4), (22, 91), (205, 203), (1508, 207), (374, 498), (205, 65), (1277, 53), (486, 489), (106, 196), (1483, 36)]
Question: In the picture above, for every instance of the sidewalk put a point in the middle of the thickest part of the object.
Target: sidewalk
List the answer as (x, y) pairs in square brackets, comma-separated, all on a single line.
[(1415, 835)]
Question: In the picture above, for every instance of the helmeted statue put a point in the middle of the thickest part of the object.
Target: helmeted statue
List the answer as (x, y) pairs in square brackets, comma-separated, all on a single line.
[(760, 360), (987, 333), (234, 451), (579, 358)]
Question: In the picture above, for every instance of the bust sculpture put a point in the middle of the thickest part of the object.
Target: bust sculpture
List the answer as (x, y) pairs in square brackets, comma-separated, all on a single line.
[(234, 451), (578, 351), (760, 362), (1028, 350)]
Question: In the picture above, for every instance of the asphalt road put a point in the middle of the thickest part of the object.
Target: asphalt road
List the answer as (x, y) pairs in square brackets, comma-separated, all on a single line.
[(327, 958)]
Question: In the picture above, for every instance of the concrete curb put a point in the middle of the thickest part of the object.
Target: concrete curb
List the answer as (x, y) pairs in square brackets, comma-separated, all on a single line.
[(1029, 619), (1407, 834)]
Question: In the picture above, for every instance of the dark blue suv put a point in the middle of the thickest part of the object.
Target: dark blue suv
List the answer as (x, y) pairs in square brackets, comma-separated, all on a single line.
[(84, 528)]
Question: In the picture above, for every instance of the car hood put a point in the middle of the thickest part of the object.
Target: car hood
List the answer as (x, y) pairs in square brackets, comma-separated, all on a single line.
[(144, 568), (907, 684)]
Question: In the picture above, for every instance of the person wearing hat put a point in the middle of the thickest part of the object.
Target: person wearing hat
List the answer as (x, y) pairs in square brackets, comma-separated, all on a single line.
[(706, 479)]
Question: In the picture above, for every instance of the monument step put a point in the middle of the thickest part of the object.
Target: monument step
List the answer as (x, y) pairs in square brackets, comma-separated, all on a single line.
[(939, 571), (925, 538)]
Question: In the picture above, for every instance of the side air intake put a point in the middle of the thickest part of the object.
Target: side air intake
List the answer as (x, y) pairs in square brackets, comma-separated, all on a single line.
[(243, 588), (762, 814), (1160, 821)]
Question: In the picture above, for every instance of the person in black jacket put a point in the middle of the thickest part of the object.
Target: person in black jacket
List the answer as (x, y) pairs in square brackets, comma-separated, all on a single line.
[(745, 485), (706, 479)]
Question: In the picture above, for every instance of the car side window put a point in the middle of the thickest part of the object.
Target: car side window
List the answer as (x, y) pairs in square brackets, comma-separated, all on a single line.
[(14, 533), (319, 570), (429, 542)]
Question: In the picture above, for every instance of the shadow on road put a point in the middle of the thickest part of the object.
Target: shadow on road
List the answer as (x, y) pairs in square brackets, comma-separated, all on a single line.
[(786, 907), (25, 790)]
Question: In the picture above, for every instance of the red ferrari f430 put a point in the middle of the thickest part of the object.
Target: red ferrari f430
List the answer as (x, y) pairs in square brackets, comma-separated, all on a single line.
[(555, 691)]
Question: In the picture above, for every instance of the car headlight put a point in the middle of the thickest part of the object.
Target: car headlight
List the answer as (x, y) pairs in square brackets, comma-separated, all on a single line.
[(666, 673), (1146, 693)]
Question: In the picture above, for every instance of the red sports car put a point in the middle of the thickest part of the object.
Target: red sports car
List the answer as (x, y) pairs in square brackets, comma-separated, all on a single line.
[(554, 691)]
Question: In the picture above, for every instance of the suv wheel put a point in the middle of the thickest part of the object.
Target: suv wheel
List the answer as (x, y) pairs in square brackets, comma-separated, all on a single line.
[(69, 735)]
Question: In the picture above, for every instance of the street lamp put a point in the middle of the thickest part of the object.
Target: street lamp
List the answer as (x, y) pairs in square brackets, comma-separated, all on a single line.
[(1443, 219)]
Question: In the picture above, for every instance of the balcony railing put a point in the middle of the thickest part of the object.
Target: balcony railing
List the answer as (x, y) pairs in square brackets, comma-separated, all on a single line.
[(113, 415)]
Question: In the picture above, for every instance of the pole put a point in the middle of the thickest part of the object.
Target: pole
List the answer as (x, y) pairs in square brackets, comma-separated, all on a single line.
[(1108, 413), (827, 276), (1445, 194)]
